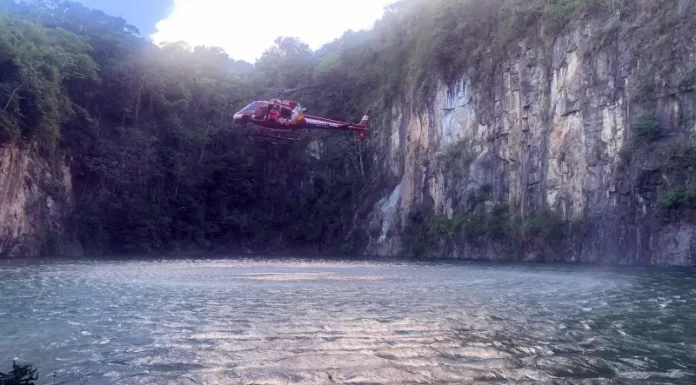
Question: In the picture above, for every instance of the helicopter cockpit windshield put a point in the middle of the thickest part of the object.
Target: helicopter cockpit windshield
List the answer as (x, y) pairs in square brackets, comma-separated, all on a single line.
[(255, 106), (258, 110)]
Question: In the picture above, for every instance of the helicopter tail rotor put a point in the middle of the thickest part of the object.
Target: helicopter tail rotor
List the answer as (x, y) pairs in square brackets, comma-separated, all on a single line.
[(366, 119), (362, 131)]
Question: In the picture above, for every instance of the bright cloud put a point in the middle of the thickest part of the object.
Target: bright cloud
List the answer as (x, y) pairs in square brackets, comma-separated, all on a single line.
[(246, 28)]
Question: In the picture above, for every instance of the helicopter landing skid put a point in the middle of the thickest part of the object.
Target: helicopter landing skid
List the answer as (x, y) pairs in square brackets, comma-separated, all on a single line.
[(275, 137)]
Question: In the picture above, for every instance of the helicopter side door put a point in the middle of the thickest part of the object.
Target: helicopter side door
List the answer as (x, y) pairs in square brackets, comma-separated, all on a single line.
[(285, 115)]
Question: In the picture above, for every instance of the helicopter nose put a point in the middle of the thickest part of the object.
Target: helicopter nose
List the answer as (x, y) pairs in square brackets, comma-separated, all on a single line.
[(240, 117)]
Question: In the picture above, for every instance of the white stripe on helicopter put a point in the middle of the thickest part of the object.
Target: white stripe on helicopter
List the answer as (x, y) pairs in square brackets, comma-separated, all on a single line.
[(321, 123)]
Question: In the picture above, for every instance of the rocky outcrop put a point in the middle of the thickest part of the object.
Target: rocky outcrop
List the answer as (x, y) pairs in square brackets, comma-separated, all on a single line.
[(551, 126), (35, 200)]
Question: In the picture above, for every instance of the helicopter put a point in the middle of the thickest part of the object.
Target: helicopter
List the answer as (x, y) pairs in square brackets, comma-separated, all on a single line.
[(280, 119)]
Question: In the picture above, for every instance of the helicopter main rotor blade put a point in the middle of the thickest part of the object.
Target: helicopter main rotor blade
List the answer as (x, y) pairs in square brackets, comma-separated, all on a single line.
[(283, 91)]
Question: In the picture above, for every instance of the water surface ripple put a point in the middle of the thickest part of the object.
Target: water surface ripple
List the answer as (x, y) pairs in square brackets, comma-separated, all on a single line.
[(250, 321)]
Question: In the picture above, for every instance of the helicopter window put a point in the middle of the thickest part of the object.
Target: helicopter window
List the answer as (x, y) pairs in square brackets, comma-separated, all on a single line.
[(255, 106), (250, 107), (260, 110), (285, 113)]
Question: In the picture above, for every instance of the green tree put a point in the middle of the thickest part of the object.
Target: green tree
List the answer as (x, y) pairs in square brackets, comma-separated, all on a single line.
[(36, 64)]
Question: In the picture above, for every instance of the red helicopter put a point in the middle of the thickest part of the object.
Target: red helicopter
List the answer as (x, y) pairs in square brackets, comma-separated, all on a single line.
[(283, 119)]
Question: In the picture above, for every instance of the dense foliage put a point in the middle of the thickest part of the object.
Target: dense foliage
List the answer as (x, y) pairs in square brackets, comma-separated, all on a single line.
[(478, 225), (19, 375), (677, 202), (157, 163)]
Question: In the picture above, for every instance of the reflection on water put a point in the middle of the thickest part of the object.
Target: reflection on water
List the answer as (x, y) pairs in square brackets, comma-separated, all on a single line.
[(301, 322)]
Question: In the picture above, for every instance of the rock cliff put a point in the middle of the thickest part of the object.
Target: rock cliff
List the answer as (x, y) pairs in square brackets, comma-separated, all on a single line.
[(555, 124), (35, 199)]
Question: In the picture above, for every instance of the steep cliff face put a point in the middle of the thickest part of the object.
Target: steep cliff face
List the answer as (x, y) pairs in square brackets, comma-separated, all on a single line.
[(35, 199), (554, 125)]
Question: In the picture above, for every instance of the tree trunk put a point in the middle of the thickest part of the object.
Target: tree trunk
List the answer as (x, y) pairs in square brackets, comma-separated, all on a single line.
[(205, 142), (138, 97), (362, 162), (7, 105), (178, 177)]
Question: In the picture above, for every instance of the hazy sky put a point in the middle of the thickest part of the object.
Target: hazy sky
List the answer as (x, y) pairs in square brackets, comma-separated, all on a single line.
[(246, 28), (143, 14)]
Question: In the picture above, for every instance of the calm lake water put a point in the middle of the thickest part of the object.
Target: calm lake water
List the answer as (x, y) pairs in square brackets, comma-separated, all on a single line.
[(250, 321)]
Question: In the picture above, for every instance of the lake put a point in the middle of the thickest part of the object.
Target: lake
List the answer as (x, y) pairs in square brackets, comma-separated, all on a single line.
[(301, 321)]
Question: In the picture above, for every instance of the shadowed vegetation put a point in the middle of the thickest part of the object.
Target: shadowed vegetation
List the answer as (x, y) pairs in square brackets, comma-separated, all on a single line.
[(485, 222), (157, 162), (677, 201), (19, 375)]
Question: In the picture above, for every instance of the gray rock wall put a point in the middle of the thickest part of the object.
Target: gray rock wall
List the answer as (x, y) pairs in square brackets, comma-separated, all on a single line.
[(551, 127), (35, 200)]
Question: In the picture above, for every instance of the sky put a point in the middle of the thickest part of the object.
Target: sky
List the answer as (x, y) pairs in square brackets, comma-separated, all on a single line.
[(144, 14), (246, 28)]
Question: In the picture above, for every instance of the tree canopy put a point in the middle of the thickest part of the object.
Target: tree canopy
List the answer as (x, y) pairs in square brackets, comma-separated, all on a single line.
[(157, 163)]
